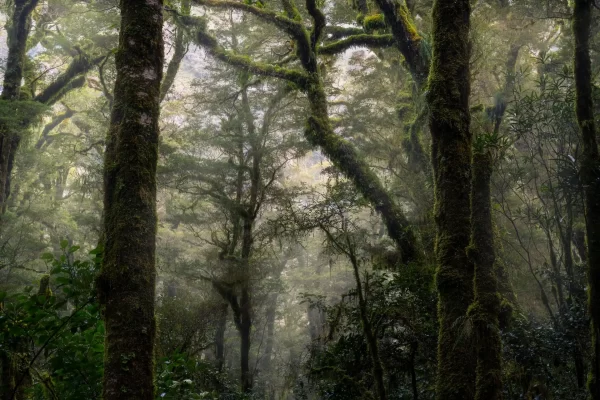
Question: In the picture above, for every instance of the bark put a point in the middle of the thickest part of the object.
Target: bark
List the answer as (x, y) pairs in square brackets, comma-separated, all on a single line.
[(127, 279), (486, 307), (449, 119), (590, 177)]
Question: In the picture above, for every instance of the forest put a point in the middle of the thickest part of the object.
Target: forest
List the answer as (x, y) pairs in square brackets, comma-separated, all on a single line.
[(299, 199)]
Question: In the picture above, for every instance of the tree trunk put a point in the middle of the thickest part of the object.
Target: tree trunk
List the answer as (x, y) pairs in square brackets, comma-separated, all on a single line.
[(590, 177), (220, 337), (127, 280), (370, 337), (485, 309), (448, 98), (7, 376)]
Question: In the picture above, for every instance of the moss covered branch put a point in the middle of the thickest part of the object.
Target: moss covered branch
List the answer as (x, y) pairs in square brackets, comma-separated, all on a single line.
[(292, 27), (64, 82), (399, 20), (245, 63), (339, 32), (362, 40)]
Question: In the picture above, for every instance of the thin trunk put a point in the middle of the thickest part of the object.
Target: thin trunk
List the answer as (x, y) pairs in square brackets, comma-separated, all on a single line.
[(486, 307), (220, 337), (413, 373), (127, 280), (179, 51), (449, 120), (590, 177), (372, 346), (265, 367)]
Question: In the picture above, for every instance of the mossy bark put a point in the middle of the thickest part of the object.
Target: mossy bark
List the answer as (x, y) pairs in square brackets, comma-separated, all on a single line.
[(590, 177), (485, 309), (398, 18), (127, 279), (449, 120)]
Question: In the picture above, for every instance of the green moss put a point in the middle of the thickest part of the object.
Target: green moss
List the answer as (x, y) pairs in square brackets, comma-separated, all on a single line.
[(406, 18), (374, 22), (16, 115)]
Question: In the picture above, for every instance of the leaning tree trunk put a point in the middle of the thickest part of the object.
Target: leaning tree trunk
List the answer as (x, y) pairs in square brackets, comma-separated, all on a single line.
[(485, 309), (590, 176), (127, 279), (448, 99)]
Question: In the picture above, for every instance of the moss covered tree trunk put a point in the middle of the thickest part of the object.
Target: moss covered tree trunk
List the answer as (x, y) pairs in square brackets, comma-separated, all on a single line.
[(448, 98), (590, 177), (485, 309), (127, 279), (18, 31)]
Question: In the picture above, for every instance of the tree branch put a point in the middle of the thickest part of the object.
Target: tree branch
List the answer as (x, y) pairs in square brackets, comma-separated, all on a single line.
[(362, 40), (237, 60), (66, 81)]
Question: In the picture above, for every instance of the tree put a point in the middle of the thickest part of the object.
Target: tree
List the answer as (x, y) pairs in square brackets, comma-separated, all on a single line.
[(449, 120), (590, 175), (127, 280)]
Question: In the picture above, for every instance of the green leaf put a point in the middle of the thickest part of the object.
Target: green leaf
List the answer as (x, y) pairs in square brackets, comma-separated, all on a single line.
[(64, 243)]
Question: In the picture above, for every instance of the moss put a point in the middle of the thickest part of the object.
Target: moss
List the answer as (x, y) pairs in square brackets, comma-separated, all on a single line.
[(371, 41), (406, 18), (373, 22), (44, 288)]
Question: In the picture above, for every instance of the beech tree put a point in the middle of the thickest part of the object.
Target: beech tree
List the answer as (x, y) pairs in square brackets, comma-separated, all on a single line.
[(127, 280)]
